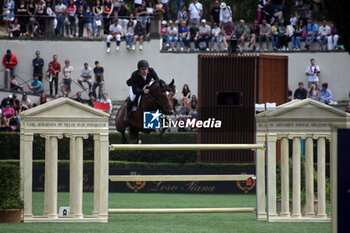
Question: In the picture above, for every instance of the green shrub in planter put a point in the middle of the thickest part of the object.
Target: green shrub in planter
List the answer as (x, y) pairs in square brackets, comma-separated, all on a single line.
[(10, 187)]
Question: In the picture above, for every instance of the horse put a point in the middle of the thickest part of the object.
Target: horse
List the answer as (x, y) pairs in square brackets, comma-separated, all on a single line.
[(159, 98)]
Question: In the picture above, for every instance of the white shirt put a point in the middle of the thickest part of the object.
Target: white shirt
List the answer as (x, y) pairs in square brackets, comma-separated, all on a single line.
[(204, 29), (165, 1), (215, 31), (113, 29), (195, 10), (324, 30), (138, 2), (61, 7), (311, 70), (225, 14), (85, 72), (66, 71), (172, 31)]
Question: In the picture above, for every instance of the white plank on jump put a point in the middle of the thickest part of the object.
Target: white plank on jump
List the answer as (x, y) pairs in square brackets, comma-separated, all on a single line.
[(187, 147), (181, 210)]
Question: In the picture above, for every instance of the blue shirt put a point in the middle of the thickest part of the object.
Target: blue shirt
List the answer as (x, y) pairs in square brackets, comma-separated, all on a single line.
[(34, 83), (88, 17), (312, 29), (183, 31), (325, 95)]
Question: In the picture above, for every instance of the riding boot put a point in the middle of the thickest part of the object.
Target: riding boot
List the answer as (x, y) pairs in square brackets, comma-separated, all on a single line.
[(128, 110)]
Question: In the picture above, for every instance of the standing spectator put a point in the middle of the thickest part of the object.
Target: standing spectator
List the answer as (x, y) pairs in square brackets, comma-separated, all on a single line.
[(293, 19), (265, 34), (178, 5), (323, 32), (182, 15), (183, 35), (60, 11), (67, 73), (15, 29), (159, 10), (57, 67), (25, 102), (129, 34), (70, 11), (325, 94), (38, 64), (40, 14), (23, 16), (311, 32), (8, 11), (228, 31), (77, 4), (166, 7), (106, 16), (193, 36), (313, 72), (215, 13), (50, 74), (142, 14), (172, 37), (299, 34), (216, 36), (261, 4), (99, 80), (301, 92), (97, 11), (36, 86), (10, 62), (31, 8), (139, 33), (88, 22), (225, 14), (123, 15), (313, 92), (274, 36), (14, 85), (43, 99), (254, 34), (115, 31), (195, 12), (137, 4), (33, 28), (81, 21), (86, 76), (204, 34), (242, 34), (333, 39), (107, 100)]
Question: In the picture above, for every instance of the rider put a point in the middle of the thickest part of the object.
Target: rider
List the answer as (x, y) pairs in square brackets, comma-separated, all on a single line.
[(139, 79)]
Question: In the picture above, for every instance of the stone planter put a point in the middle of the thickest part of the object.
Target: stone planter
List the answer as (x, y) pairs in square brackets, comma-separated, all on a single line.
[(10, 215), (303, 206)]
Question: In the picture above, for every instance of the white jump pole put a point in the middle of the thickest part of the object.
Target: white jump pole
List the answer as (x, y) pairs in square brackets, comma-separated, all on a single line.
[(181, 210), (187, 147)]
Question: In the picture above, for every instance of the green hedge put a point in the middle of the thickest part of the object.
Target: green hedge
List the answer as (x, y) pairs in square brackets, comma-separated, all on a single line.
[(10, 187), (9, 145)]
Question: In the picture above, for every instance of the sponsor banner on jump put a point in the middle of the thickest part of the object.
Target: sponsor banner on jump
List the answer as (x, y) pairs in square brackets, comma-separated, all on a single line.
[(156, 120)]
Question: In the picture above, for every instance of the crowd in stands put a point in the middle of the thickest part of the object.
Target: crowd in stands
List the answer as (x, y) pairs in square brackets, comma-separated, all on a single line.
[(119, 21)]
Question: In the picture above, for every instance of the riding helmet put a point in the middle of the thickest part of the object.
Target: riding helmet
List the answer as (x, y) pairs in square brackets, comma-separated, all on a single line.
[(142, 64)]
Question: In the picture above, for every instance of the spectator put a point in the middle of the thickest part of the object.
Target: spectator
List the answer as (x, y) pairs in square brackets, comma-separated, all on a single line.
[(57, 67), (274, 36), (78, 98), (182, 15), (4, 123), (60, 11), (123, 15), (278, 5), (10, 114), (107, 100), (195, 12), (183, 35), (10, 62), (301, 92), (77, 4), (139, 33), (97, 19), (204, 34), (242, 34), (265, 34), (81, 21), (303, 13), (164, 32), (178, 6), (38, 64), (88, 22), (91, 101), (23, 16), (166, 7), (67, 78), (215, 13), (159, 10), (8, 11), (14, 85), (31, 8), (282, 38), (347, 109), (193, 36), (33, 28), (142, 14), (216, 35), (50, 74), (25, 102), (36, 86), (289, 34), (193, 110), (225, 14), (299, 34), (293, 19), (313, 72), (261, 4), (43, 99), (333, 39), (289, 96), (254, 34), (228, 31), (86, 75), (172, 37), (323, 33), (15, 103), (99, 80), (115, 8), (115, 31), (185, 95), (14, 29), (106, 16), (129, 34), (311, 32), (325, 94), (40, 14), (70, 12)]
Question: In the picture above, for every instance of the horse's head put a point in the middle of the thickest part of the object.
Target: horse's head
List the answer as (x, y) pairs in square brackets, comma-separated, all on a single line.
[(162, 94)]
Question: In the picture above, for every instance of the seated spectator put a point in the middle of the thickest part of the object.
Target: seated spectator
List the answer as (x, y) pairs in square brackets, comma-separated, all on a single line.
[(278, 7), (99, 80), (325, 94), (182, 15), (228, 32), (313, 92), (78, 98), (36, 86), (67, 72), (333, 39), (5, 100), (14, 85), (301, 92), (91, 101), (129, 34), (139, 33), (282, 38), (164, 32), (311, 33), (15, 103), (242, 34), (4, 123), (216, 35), (274, 36), (10, 113), (193, 110), (254, 34), (185, 95), (115, 31), (225, 14), (299, 35), (10, 62), (33, 28), (323, 33), (193, 36), (215, 13), (265, 34), (86, 76), (107, 100), (159, 10), (14, 29), (303, 13), (25, 102), (195, 10), (204, 34), (172, 37), (183, 35), (43, 99)]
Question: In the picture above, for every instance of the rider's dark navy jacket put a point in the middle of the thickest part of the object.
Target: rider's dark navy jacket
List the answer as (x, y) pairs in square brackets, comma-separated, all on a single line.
[(137, 82)]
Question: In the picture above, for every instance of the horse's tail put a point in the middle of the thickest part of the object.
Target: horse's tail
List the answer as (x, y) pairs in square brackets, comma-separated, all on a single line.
[(120, 124)]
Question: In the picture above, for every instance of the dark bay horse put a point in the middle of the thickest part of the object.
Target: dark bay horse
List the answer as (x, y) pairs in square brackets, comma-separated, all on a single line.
[(158, 98)]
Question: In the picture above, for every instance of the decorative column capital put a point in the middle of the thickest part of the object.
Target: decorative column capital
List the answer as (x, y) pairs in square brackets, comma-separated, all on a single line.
[(280, 136), (74, 136), (322, 135), (271, 137), (296, 135), (48, 136)]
